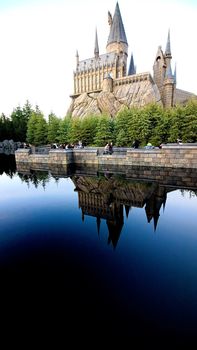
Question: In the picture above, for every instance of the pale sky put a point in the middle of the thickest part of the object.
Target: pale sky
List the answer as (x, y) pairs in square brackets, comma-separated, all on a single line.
[(39, 39)]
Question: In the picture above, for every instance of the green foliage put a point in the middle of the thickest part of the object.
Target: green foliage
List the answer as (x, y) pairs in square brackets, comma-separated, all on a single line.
[(121, 128), (6, 128), (41, 131), (53, 128), (104, 131), (148, 124), (31, 127), (37, 129), (88, 129), (63, 130), (19, 118), (74, 132)]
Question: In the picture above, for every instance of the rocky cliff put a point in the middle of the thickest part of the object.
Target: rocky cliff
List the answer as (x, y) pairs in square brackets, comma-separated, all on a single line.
[(138, 94)]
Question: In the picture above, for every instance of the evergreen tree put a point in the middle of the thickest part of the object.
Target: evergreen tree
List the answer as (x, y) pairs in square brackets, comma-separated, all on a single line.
[(53, 128), (20, 117), (64, 130), (37, 128), (31, 127), (104, 131), (121, 128), (177, 123), (74, 132), (41, 130), (6, 128), (88, 129)]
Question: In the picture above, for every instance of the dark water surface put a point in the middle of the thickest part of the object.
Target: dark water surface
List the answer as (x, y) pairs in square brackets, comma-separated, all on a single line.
[(101, 254)]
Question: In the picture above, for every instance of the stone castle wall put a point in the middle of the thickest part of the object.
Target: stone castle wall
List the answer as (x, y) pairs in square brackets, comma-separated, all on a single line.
[(167, 157)]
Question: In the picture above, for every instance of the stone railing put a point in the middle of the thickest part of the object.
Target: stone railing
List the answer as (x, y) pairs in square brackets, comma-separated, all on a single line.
[(170, 156)]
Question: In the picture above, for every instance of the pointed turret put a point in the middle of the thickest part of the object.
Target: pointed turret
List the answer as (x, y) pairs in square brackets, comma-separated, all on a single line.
[(96, 47), (117, 32), (169, 71), (132, 68), (77, 58), (168, 46), (117, 43), (159, 68)]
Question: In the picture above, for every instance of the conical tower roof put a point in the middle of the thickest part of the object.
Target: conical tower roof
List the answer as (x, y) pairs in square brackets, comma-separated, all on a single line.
[(96, 47), (132, 69), (169, 71), (168, 45), (117, 32)]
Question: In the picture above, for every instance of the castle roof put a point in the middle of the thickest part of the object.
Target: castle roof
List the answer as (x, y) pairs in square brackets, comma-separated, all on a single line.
[(168, 46), (169, 71), (96, 47), (108, 58), (132, 69), (117, 32)]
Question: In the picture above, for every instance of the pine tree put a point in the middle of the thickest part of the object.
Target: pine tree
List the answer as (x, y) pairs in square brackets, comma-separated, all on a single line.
[(53, 128), (64, 129), (104, 131), (88, 129)]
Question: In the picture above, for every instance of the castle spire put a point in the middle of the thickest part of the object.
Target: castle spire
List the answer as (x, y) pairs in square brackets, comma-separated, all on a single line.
[(169, 71), (77, 58), (168, 46), (132, 69), (117, 32), (96, 47)]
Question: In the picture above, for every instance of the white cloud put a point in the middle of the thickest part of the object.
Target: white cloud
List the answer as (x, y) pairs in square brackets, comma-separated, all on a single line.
[(38, 43)]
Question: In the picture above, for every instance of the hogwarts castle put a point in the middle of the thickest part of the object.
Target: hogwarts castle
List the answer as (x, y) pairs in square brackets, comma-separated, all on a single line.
[(108, 197), (103, 84)]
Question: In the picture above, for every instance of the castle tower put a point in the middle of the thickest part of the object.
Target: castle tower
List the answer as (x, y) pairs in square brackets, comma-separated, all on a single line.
[(77, 59), (169, 83), (168, 55), (168, 88), (117, 42), (96, 47), (159, 68), (162, 74), (132, 68)]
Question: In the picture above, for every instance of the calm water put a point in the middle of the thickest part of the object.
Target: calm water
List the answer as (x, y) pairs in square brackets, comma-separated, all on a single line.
[(103, 254)]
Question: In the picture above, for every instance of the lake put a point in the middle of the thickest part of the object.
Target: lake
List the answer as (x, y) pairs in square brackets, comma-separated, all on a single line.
[(99, 252)]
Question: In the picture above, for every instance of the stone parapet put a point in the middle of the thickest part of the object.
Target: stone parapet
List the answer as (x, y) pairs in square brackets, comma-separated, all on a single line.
[(22, 155), (175, 156)]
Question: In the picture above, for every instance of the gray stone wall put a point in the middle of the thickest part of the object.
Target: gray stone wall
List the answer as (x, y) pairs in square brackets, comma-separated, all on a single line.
[(179, 156)]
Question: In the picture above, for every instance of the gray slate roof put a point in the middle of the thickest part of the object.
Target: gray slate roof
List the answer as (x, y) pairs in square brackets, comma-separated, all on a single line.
[(93, 62), (168, 46), (132, 69), (96, 47), (169, 72), (117, 32)]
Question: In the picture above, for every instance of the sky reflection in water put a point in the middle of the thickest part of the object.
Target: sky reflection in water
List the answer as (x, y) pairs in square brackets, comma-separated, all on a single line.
[(75, 248)]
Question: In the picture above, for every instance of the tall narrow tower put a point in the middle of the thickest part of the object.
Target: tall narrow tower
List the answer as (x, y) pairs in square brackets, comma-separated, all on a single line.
[(169, 83), (159, 68), (96, 47), (117, 42)]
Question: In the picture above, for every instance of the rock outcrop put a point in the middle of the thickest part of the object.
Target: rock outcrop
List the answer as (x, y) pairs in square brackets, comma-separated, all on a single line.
[(138, 94)]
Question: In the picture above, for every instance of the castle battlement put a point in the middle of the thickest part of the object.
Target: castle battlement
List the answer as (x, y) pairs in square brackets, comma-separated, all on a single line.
[(135, 78)]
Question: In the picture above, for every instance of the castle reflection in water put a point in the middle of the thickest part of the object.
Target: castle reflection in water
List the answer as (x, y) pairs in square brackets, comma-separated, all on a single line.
[(107, 198), (109, 194)]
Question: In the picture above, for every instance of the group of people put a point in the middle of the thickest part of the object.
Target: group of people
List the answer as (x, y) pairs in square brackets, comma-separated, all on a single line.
[(67, 145), (108, 148)]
